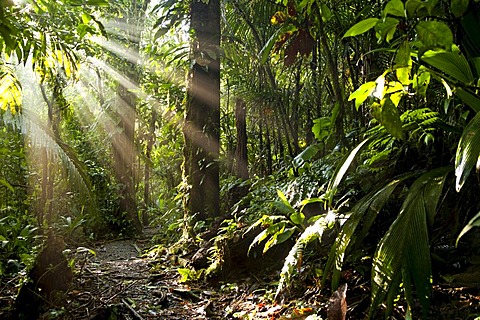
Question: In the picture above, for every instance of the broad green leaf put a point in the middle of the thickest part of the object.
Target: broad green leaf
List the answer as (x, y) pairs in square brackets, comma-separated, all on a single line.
[(453, 63), (468, 151), (386, 29), (5, 183), (285, 235), (421, 80), (284, 200), (326, 12), (403, 63), (474, 222), (284, 208), (394, 8), (306, 154), (458, 7), (469, 98), (435, 34), (387, 114), (321, 128), (365, 211), (361, 27), (297, 217), (362, 93), (97, 2), (414, 7)]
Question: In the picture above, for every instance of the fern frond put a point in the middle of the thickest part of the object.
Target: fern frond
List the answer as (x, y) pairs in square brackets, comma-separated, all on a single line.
[(311, 233)]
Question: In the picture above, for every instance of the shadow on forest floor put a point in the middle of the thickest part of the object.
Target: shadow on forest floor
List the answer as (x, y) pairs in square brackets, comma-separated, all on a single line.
[(118, 282)]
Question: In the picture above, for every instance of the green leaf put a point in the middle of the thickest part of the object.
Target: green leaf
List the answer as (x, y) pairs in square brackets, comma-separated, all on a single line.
[(284, 200), (468, 151), (394, 8), (362, 93), (474, 222), (387, 114), (97, 2), (365, 211), (414, 7), (386, 29), (285, 235), (453, 63), (306, 154), (421, 80), (361, 27), (297, 217), (342, 169), (4, 183), (458, 7), (321, 128), (435, 34), (326, 12), (469, 98), (403, 63)]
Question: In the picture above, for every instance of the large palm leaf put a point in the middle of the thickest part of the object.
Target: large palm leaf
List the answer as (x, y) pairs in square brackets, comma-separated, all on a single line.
[(405, 247)]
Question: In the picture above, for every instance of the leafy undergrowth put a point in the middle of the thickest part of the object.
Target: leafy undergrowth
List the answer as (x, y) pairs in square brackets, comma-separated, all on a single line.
[(118, 282)]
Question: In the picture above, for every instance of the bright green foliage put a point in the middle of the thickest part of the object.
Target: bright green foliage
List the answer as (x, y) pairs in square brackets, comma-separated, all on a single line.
[(468, 151)]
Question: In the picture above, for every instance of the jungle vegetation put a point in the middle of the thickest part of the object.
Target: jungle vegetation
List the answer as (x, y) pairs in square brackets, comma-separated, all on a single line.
[(346, 133)]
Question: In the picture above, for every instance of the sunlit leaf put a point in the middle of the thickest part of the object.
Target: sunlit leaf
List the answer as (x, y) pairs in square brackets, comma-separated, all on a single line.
[(306, 155), (453, 63), (468, 151), (385, 30), (343, 167), (362, 93), (387, 114), (361, 27), (394, 8), (297, 217)]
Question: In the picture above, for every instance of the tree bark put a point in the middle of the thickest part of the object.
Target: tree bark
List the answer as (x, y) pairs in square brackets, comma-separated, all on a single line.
[(202, 120), (241, 156)]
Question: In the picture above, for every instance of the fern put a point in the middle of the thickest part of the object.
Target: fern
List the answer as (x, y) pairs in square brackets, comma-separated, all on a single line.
[(292, 261)]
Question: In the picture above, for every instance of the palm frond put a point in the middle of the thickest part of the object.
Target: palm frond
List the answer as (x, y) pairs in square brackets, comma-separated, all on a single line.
[(468, 151), (41, 136), (365, 210), (405, 247)]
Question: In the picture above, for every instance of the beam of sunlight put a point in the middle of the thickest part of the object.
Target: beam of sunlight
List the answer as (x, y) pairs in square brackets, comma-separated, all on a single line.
[(122, 29), (120, 50)]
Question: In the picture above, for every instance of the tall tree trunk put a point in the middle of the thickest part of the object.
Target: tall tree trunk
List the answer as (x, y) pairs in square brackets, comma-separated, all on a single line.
[(124, 155), (147, 168), (202, 120), (124, 141), (241, 156)]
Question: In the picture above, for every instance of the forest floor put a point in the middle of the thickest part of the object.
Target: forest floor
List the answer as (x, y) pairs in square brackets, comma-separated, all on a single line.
[(120, 281)]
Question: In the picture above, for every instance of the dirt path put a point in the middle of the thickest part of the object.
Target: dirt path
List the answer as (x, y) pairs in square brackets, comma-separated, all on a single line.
[(119, 283)]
